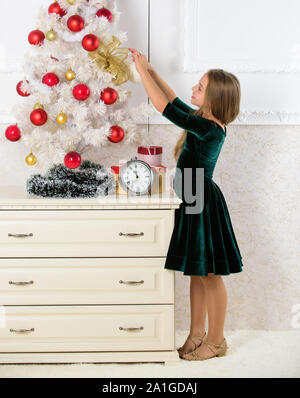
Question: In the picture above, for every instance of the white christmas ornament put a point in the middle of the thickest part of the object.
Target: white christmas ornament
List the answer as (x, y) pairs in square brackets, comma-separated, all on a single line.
[(134, 74)]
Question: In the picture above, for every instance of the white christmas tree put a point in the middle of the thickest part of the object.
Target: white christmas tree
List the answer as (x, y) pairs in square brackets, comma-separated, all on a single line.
[(72, 96)]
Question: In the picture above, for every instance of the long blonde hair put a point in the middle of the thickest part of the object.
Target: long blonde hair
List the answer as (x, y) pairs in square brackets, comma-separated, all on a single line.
[(222, 97)]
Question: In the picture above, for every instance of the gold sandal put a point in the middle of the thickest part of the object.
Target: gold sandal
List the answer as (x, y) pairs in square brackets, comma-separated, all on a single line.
[(195, 344), (220, 352)]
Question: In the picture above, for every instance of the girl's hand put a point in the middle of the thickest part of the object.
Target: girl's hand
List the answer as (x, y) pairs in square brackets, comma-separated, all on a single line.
[(140, 60)]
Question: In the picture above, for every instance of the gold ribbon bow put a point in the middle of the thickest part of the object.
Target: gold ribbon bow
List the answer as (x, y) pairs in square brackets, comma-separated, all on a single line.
[(111, 59)]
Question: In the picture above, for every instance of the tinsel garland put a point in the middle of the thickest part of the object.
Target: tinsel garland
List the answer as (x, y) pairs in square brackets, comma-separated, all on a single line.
[(88, 181)]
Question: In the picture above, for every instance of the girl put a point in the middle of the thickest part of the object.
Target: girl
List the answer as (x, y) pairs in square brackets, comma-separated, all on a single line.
[(203, 244)]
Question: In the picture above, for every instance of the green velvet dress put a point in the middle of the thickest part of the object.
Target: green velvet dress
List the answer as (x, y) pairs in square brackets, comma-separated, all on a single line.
[(203, 242)]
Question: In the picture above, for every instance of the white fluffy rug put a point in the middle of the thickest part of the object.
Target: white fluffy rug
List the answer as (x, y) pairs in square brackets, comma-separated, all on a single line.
[(251, 353)]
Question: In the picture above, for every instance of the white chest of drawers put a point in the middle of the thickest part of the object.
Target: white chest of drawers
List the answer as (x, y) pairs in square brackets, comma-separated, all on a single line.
[(83, 280)]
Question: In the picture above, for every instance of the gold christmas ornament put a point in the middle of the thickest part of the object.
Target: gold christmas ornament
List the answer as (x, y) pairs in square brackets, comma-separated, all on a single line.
[(111, 58), (31, 159), (72, 2), (38, 106), (62, 118), (51, 35), (70, 75)]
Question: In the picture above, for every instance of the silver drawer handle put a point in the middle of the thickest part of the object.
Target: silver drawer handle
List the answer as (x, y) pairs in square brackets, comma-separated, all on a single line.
[(21, 283), (131, 282), (20, 235), (131, 234), (21, 330), (131, 329)]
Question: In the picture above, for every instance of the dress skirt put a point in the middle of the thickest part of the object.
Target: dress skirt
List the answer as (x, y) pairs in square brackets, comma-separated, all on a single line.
[(204, 242)]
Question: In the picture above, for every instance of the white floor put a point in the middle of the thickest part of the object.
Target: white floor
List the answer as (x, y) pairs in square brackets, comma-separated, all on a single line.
[(251, 353)]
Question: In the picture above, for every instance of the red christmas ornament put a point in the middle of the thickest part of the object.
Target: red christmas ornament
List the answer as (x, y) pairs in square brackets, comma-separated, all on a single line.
[(90, 42), (104, 12), (38, 117), (75, 23), (20, 91), (36, 37), (55, 8), (109, 96), (81, 92), (51, 79), (116, 134), (72, 160), (13, 133)]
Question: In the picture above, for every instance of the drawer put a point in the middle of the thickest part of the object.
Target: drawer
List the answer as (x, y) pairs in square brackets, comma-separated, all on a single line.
[(85, 281), (87, 328), (85, 233)]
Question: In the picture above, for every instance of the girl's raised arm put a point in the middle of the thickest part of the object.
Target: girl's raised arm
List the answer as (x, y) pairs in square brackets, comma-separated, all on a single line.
[(162, 84)]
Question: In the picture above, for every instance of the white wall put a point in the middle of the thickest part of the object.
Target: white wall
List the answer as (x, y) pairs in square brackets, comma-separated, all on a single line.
[(256, 40)]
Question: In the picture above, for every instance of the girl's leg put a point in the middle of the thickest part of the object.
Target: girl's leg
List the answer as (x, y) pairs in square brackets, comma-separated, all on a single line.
[(198, 306), (198, 313), (216, 300)]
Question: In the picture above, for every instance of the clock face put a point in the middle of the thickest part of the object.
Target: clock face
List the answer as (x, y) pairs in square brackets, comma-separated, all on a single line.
[(136, 177)]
